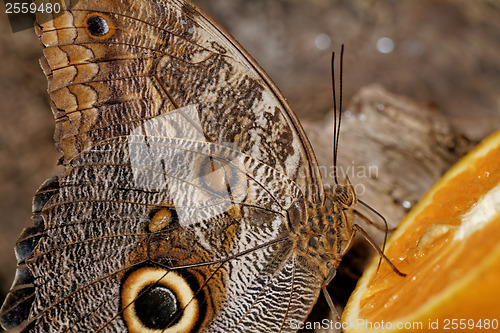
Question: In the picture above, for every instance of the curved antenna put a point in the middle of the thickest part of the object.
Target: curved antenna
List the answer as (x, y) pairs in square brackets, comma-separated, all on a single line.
[(337, 113), (334, 156)]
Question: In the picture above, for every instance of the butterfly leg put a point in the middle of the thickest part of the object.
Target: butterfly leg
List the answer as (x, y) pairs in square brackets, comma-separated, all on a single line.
[(357, 228), (328, 298)]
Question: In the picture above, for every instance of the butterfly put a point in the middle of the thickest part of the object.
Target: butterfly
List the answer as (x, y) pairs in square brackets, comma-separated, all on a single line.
[(190, 200)]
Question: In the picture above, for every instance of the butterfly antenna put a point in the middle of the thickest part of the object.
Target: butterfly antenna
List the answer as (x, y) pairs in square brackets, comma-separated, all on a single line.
[(334, 119), (337, 113)]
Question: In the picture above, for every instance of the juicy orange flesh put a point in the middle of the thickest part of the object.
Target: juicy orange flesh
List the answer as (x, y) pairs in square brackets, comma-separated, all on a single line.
[(434, 265)]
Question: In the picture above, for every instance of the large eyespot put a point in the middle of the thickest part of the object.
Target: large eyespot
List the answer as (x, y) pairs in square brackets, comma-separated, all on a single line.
[(156, 300), (99, 26)]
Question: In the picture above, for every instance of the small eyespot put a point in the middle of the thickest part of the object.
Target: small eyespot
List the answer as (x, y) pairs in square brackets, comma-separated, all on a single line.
[(99, 26), (162, 218)]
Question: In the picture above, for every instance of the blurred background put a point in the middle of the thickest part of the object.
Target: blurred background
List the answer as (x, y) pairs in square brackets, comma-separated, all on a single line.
[(443, 54)]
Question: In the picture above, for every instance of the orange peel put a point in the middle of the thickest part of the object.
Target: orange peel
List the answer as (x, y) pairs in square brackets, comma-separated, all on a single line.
[(449, 247)]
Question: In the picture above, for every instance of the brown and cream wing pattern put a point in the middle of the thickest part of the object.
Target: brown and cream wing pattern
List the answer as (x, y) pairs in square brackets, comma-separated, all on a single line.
[(157, 56), (182, 163)]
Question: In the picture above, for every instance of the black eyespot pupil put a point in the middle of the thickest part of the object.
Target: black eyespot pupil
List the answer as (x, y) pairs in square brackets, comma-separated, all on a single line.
[(97, 26), (156, 307)]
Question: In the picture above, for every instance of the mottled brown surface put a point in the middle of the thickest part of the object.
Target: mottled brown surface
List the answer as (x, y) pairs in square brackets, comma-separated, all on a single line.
[(446, 55)]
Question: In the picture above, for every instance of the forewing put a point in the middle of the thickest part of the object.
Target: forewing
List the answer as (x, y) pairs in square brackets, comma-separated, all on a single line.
[(161, 116), (160, 56)]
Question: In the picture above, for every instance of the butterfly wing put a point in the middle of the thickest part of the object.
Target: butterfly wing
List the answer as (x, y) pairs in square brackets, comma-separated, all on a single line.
[(182, 164), (159, 56)]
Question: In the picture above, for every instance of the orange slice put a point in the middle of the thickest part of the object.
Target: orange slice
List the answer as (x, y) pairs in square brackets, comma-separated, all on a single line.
[(449, 247)]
